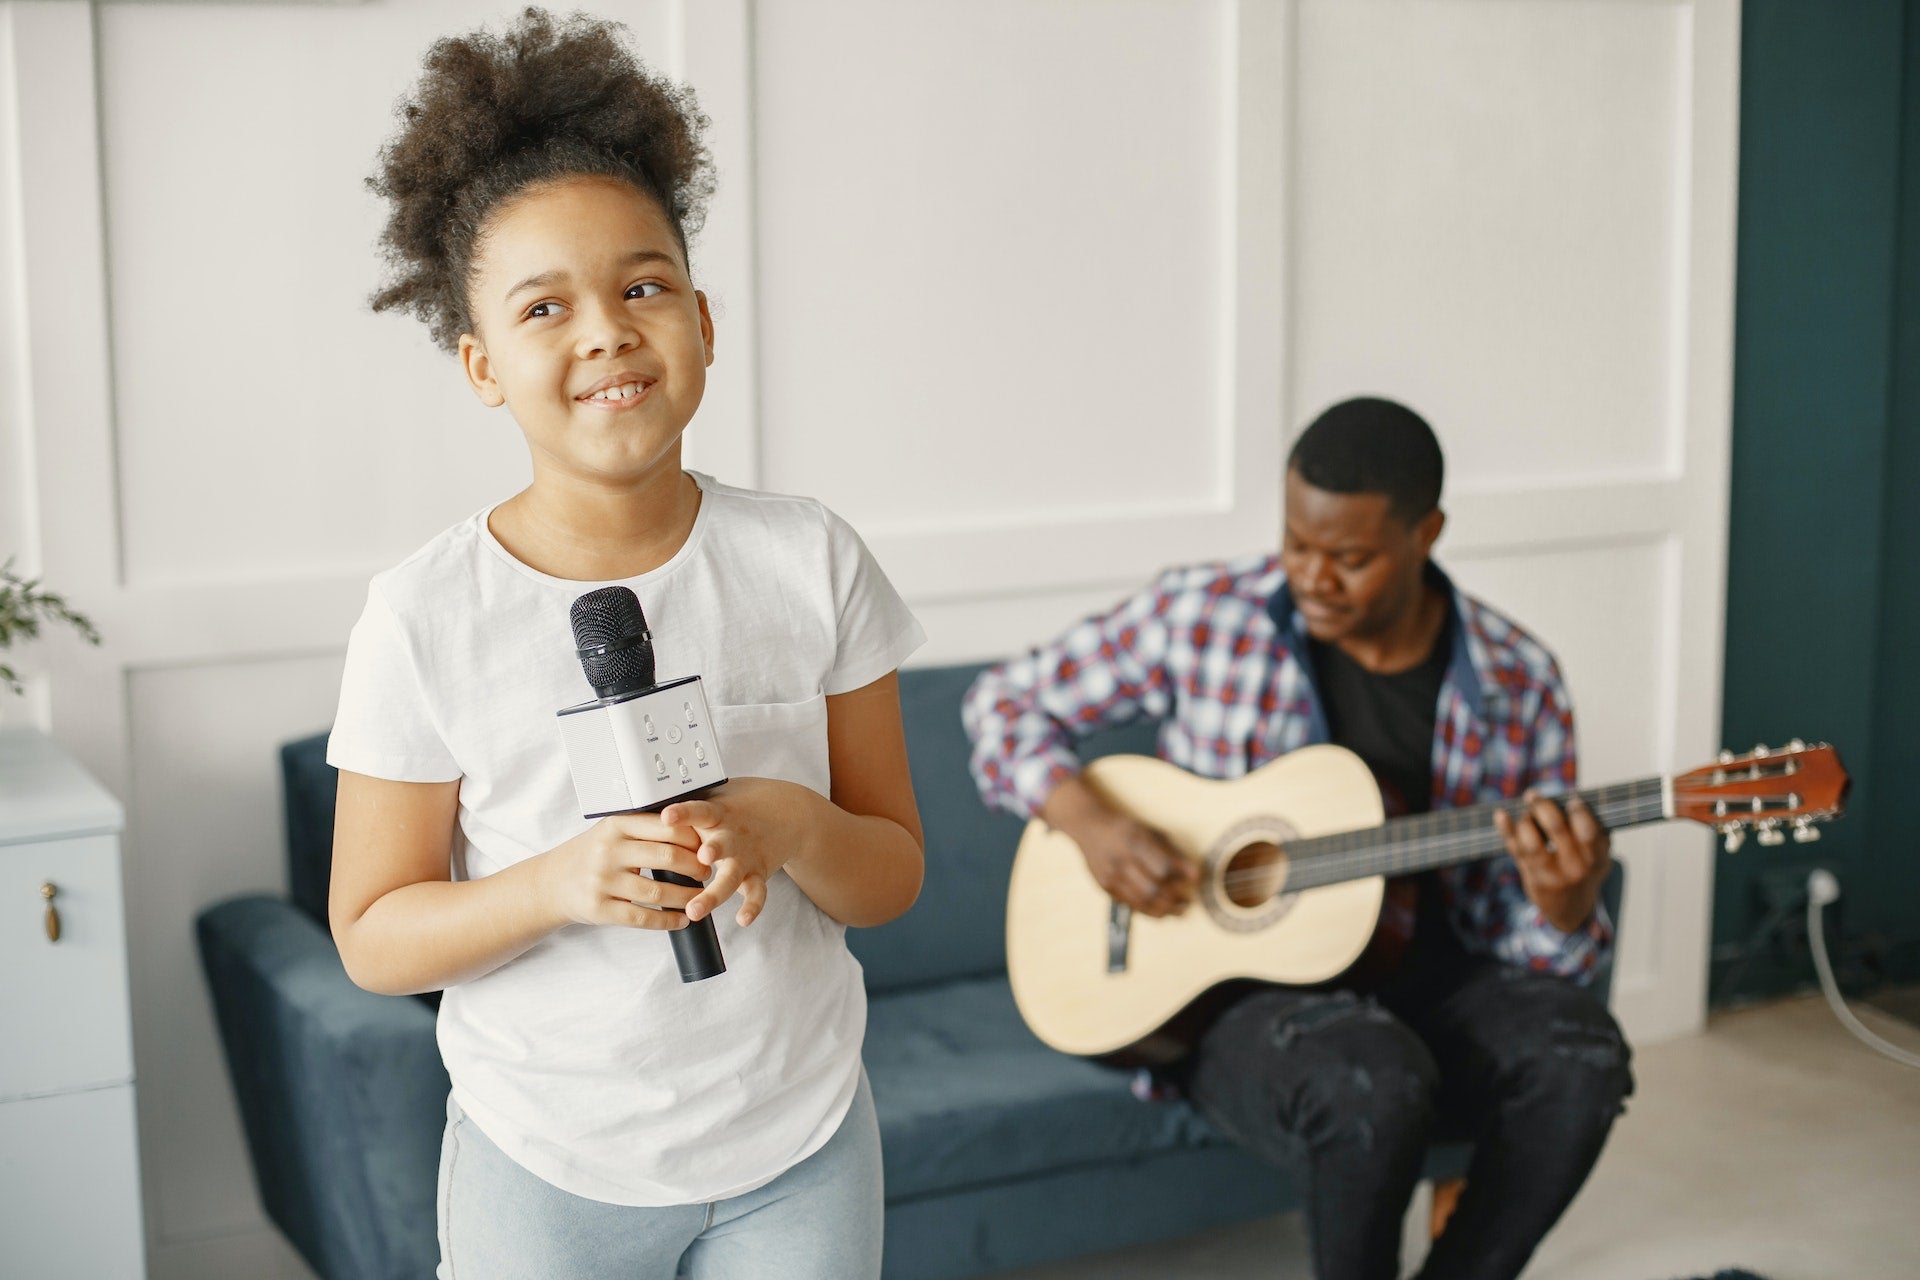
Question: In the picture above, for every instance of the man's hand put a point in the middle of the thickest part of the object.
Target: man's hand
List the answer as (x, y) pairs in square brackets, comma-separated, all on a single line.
[(1136, 866), (1131, 861), (1563, 857)]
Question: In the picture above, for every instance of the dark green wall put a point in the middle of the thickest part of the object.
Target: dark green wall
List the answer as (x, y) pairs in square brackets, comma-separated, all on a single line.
[(1823, 607)]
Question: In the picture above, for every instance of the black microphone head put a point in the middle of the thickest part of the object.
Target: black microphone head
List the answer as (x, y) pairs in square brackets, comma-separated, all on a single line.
[(610, 633)]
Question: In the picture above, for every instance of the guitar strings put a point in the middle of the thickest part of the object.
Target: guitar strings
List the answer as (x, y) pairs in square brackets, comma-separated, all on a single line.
[(1418, 847), (1308, 872), (1450, 836), (1400, 858), (1478, 819), (1455, 835)]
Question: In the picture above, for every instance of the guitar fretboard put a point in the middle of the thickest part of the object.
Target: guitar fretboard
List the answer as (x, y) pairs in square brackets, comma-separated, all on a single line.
[(1449, 836)]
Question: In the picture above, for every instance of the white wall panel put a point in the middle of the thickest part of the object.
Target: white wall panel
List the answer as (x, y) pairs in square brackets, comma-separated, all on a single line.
[(17, 517), (267, 423), (1002, 292), (1490, 209), (1600, 610), (986, 630), (1021, 323)]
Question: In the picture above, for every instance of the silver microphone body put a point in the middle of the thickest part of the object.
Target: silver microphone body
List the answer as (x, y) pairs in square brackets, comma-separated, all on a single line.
[(639, 746)]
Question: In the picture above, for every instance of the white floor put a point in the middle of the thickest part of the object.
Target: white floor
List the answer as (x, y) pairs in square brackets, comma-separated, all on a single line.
[(1773, 1142)]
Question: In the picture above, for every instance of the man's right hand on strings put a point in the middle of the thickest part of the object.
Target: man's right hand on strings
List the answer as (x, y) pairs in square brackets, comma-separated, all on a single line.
[(1130, 860)]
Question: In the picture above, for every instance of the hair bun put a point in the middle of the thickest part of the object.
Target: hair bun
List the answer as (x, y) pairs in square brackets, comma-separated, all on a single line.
[(493, 115)]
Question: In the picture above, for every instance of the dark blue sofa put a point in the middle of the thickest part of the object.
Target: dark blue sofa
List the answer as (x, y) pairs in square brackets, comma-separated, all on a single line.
[(999, 1152)]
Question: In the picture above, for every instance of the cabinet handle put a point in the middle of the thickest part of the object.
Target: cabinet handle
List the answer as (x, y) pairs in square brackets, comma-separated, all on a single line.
[(50, 891)]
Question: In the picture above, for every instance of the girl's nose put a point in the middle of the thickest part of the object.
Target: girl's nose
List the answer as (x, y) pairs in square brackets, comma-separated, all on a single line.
[(607, 333)]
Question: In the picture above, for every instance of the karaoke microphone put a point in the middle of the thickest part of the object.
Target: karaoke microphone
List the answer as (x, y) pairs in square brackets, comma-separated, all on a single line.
[(639, 746)]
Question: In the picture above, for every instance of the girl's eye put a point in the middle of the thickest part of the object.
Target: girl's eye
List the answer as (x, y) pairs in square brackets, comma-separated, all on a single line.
[(541, 310), (646, 289)]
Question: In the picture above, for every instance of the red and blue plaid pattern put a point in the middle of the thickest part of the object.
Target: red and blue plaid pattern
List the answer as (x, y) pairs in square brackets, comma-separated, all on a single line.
[(1218, 655)]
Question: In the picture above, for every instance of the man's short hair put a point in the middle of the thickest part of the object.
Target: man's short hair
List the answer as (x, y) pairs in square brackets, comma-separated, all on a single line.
[(1369, 445)]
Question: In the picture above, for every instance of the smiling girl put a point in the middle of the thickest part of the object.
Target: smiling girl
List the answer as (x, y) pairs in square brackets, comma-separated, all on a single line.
[(605, 1118)]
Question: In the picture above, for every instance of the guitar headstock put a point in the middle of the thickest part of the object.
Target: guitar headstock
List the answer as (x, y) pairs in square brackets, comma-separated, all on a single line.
[(1769, 790)]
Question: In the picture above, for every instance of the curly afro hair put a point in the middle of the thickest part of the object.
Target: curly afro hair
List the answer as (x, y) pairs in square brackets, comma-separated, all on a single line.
[(494, 116)]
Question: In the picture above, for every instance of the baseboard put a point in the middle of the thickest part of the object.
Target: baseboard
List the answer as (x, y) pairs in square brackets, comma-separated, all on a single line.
[(252, 1255), (1783, 965)]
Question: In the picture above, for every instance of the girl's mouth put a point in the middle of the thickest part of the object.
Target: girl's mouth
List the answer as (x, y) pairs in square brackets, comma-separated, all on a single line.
[(613, 399)]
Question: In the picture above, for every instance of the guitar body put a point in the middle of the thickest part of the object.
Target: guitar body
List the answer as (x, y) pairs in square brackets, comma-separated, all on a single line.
[(1096, 981), (1245, 925)]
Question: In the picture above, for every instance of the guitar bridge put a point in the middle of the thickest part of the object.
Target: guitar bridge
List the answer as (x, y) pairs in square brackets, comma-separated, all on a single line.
[(1119, 930)]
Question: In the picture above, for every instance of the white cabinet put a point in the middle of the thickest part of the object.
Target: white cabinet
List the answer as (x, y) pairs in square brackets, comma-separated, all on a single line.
[(69, 1165)]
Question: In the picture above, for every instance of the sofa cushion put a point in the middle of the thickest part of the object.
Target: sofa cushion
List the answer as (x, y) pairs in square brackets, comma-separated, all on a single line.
[(342, 1092), (966, 1095)]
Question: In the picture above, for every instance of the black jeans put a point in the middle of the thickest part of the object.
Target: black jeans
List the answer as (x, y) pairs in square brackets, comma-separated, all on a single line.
[(1347, 1091)]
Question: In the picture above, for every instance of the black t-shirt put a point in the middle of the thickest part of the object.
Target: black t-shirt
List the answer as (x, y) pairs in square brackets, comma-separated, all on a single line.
[(1386, 720)]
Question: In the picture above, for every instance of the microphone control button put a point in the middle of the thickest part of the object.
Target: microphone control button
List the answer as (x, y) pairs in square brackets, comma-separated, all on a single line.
[(646, 722), (688, 708), (686, 774), (674, 734), (660, 769)]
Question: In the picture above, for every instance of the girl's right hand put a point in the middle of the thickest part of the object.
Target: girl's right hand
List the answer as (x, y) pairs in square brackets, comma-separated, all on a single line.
[(595, 877)]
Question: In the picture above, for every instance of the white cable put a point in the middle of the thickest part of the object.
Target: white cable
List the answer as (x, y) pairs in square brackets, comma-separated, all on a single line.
[(1822, 888)]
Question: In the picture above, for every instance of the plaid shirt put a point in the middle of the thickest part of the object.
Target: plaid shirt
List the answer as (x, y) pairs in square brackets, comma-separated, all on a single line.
[(1218, 654)]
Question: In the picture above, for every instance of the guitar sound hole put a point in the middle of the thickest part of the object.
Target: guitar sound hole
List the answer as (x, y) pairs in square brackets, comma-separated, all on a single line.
[(1254, 874)]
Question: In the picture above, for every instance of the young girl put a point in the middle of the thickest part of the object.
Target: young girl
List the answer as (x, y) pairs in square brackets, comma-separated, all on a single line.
[(607, 1119)]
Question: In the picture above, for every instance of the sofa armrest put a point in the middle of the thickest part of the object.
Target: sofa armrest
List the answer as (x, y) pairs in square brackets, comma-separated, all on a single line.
[(341, 1091)]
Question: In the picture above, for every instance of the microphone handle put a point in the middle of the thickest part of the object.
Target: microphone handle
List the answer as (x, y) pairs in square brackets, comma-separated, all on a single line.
[(696, 948)]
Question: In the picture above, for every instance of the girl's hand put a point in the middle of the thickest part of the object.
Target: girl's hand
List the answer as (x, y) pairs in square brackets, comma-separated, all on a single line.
[(595, 877), (749, 828)]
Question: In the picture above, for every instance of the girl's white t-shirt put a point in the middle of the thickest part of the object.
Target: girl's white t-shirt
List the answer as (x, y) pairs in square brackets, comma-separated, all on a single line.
[(586, 1058)]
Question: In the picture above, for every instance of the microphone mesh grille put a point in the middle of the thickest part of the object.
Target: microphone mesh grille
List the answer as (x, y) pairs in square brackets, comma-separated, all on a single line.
[(612, 615)]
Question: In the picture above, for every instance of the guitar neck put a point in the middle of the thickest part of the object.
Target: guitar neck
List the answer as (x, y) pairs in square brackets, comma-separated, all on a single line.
[(1450, 836)]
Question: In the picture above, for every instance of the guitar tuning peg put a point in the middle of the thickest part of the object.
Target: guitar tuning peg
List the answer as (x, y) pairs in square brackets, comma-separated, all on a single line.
[(1726, 757), (1804, 832), (1736, 836), (1771, 837), (1798, 744), (1761, 751)]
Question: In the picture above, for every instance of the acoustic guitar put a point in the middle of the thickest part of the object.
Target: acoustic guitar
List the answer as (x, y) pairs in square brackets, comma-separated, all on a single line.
[(1296, 885)]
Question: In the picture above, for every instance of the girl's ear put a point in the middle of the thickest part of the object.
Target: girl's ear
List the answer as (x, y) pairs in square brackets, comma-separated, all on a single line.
[(479, 371), (706, 324)]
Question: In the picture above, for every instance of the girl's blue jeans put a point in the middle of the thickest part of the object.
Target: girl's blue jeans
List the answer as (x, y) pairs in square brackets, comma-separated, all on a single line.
[(820, 1220)]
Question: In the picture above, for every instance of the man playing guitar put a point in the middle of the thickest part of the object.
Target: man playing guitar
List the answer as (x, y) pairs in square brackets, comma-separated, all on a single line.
[(1353, 635)]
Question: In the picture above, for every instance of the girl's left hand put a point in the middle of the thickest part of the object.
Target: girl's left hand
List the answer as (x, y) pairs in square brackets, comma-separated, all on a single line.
[(749, 828)]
